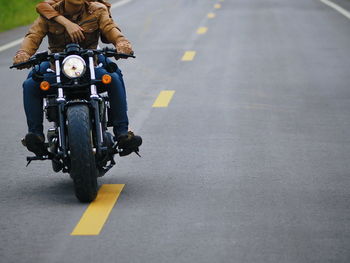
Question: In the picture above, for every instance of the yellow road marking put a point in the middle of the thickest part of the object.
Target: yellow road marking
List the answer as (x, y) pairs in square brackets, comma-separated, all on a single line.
[(202, 30), (188, 56), (211, 15), (163, 99), (96, 215), (217, 6)]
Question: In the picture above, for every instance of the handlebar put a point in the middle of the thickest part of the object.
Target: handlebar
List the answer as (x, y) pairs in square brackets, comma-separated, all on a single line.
[(30, 62), (36, 59), (45, 56)]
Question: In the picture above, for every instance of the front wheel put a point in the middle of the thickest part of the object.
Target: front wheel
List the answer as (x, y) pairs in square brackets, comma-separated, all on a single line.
[(83, 168)]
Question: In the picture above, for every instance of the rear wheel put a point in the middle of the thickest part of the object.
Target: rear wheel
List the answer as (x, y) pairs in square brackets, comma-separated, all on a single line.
[(83, 166)]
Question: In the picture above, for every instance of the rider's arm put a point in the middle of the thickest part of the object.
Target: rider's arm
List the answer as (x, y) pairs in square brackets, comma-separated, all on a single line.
[(102, 4), (31, 41), (113, 34), (108, 5), (35, 35), (46, 9)]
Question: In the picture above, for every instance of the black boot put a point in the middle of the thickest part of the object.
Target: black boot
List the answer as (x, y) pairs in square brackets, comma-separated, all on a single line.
[(35, 143), (128, 143)]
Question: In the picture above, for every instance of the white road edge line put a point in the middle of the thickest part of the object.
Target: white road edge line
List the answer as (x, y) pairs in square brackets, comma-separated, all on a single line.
[(19, 41), (120, 3), (337, 8), (11, 44)]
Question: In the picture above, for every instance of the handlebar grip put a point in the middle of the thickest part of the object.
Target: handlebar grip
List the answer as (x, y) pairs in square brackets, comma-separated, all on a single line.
[(112, 52), (21, 64), (36, 59), (122, 55)]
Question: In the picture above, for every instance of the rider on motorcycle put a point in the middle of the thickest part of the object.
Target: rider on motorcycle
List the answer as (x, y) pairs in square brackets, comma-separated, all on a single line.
[(76, 32), (95, 20)]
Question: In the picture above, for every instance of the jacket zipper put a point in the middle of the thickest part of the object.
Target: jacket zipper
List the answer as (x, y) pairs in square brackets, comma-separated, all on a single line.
[(87, 21)]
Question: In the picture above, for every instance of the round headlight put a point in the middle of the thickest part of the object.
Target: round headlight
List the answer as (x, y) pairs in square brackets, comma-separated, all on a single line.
[(73, 66)]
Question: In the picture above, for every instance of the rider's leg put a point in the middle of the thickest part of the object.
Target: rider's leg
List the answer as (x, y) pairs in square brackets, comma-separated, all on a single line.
[(117, 96), (103, 60), (127, 140), (41, 69), (32, 100), (33, 106)]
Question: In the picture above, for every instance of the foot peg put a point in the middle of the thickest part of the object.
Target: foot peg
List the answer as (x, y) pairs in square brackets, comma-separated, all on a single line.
[(36, 158), (125, 152)]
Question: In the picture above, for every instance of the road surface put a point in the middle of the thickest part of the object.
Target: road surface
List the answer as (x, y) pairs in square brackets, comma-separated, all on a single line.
[(249, 162)]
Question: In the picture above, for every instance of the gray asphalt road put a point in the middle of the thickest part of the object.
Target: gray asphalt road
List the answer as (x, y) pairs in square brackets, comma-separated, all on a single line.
[(249, 163)]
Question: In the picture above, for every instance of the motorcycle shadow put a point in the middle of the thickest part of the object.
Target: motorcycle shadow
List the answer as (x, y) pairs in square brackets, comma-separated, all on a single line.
[(58, 191)]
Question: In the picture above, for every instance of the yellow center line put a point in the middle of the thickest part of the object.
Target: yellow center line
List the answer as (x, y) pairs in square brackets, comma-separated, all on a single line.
[(96, 215), (217, 6), (188, 56), (163, 99), (202, 30), (211, 15)]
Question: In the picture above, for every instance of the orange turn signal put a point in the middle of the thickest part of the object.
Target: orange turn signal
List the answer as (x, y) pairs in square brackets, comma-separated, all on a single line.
[(44, 86), (106, 79)]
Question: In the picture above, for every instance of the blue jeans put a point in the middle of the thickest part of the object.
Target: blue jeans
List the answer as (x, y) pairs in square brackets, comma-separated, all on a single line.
[(33, 100)]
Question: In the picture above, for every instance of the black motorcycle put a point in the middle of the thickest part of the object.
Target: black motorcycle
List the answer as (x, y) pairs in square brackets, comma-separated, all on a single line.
[(79, 143)]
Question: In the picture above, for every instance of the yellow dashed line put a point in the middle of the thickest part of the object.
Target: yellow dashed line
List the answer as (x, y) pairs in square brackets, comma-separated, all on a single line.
[(96, 215), (189, 56), (202, 30), (163, 99), (211, 15), (217, 6)]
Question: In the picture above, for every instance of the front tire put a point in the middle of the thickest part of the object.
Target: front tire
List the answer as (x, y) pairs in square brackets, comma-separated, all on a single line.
[(83, 167)]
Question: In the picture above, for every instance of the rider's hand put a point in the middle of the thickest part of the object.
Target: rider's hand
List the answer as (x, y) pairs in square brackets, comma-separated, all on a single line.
[(124, 47), (74, 31), (20, 57)]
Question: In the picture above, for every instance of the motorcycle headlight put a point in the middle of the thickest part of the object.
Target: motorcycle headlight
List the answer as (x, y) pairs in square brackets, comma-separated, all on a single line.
[(73, 66)]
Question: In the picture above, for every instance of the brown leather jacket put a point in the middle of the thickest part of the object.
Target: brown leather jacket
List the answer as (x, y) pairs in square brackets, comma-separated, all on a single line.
[(45, 8), (93, 23)]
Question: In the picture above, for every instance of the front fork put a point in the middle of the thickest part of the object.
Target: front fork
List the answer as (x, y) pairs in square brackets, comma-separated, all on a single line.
[(61, 101), (95, 103)]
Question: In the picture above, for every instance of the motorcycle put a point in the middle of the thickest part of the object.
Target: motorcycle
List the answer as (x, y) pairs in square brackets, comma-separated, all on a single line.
[(79, 142)]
